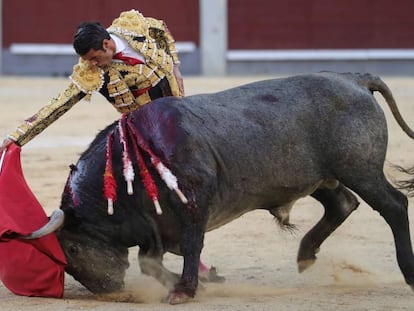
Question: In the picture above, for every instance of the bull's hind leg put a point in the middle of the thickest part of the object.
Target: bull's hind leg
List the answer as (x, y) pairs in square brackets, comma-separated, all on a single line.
[(339, 203), (392, 205)]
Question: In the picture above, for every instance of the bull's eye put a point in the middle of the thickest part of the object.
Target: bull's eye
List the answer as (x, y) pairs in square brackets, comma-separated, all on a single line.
[(73, 250)]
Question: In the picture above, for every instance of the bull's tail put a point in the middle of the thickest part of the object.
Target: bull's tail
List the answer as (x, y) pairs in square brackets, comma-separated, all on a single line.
[(375, 84)]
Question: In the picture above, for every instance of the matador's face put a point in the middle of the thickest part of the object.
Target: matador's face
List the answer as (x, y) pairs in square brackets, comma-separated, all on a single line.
[(100, 58)]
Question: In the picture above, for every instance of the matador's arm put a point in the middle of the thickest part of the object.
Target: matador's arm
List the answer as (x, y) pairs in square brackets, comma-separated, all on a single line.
[(46, 115)]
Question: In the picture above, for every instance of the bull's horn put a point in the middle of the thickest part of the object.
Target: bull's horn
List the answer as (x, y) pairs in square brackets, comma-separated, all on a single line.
[(56, 221)]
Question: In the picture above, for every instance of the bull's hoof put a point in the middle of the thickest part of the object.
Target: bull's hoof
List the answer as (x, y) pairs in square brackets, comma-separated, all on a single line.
[(306, 258), (175, 298), (211, 276), (305, 264)]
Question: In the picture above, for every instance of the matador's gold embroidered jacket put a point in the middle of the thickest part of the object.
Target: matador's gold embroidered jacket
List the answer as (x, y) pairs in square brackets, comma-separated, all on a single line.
[(117, 81)]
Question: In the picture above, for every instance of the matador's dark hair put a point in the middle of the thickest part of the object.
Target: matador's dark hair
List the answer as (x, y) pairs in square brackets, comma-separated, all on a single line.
[(89, 35)]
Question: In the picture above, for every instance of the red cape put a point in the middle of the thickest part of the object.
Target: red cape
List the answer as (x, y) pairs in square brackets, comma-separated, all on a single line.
[(27, 267)]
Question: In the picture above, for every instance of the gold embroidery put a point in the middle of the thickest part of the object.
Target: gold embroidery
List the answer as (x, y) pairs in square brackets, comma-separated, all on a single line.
[(130, 23), (143, 99), (157, 41), (46, 115), (119, 90), (87, 78)]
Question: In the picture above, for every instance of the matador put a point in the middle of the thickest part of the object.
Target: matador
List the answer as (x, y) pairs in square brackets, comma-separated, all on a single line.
[(131, 63)]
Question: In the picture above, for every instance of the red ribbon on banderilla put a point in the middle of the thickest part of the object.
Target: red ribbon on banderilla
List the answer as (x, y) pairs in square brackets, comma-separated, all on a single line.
[(109, 180), (128, 130)]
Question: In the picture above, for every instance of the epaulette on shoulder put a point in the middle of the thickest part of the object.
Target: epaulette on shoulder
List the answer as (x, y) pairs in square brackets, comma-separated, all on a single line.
[(130, 23), (86, 77)]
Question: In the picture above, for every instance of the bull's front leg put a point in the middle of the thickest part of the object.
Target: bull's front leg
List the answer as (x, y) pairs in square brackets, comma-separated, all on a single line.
[(191, 244), (151, 264)]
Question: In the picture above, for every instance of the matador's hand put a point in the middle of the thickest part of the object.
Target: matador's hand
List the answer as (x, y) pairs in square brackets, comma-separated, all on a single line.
[(6, 143)]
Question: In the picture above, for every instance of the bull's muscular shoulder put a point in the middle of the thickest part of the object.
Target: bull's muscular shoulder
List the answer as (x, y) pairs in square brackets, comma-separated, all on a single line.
[(159, 123)]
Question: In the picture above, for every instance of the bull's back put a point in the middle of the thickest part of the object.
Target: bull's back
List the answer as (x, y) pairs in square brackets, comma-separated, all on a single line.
[(283, 121), (267, 142)]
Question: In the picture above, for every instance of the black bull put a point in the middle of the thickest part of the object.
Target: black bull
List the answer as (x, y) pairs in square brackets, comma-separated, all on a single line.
[(258, 146)]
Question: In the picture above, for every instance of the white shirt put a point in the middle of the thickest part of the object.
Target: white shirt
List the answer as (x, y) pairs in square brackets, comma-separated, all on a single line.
[(121, 45)]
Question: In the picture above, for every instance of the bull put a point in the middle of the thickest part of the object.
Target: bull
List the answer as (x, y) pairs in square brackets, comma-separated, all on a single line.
[(262, 145)]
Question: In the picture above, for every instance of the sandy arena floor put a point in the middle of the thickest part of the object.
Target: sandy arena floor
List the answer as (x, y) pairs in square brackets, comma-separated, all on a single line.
[(356, 269)]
